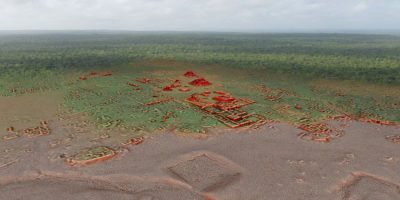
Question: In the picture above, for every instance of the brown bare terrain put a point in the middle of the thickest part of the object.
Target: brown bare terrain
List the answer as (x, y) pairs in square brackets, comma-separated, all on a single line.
[(268, 163)]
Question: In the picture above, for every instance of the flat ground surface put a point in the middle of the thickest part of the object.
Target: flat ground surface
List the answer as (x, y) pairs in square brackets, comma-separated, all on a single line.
[(268, 163)]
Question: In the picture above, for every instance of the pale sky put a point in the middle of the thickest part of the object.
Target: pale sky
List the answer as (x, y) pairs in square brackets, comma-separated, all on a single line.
[(200, 15)]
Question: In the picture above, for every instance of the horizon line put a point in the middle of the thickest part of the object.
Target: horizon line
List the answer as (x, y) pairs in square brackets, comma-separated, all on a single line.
[(327, 31)]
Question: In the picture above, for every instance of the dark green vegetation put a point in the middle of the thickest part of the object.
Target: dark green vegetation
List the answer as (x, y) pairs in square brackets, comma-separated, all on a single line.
[(372, 58), (324, 75)]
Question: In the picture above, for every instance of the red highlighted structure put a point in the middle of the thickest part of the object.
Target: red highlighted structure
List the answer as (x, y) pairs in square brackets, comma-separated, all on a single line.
[(226, 109), (200, 82)]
